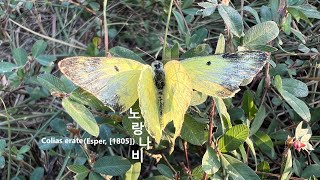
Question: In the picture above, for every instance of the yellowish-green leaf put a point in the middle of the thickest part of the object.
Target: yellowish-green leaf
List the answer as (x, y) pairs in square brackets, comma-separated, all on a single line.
[(233, 138), (210, 161), (134, 172), (81, 115), (261, 34), (232, 19), (237, 169)]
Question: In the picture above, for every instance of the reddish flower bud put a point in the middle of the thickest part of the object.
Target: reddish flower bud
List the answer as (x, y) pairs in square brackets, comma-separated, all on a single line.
[(298, 145)]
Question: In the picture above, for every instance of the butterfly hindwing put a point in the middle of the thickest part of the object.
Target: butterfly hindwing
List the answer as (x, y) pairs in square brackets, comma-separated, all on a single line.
[(177, 94), (221, 75), (148, 101), (112, 80)]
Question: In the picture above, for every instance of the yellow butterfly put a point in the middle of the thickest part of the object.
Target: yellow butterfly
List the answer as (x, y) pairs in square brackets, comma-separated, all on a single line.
[(164, 91)]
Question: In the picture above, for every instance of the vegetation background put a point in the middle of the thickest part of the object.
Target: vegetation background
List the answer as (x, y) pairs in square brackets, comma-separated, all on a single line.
[(260, 125)]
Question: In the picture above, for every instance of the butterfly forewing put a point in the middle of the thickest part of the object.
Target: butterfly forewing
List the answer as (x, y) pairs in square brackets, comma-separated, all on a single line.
[(112, 80), (221, 75)]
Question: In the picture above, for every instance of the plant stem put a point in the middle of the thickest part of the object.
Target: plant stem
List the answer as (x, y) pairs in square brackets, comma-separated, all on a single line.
[(204, 177), (64, 165), (211, 123), (166, 32), (106, 40), (9, 140), (186, 154)]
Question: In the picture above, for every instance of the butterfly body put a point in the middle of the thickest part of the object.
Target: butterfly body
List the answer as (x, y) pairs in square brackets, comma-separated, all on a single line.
[(164, 91), (159, 81)]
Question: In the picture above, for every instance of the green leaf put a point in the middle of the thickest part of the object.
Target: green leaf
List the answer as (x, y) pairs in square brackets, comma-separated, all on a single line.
[(297, 105), (24, 149), (59, 126), (87, 98), (20, 55), (37, 173), (265, 14), (264, 167), (274, 6), (181, 25), (81, 115), (252, 149), (248, 105), (2, 162), (315, 115), (193, 131), (223, 114), (96, 176), (258, 120), (158, 178), (264, 143), (261, 34), (220, 45), (125, 53), (309, 10), (232, 19), (48, 145), (298, 14), (278, 83), (187, 4), (81, 176), (297, 169), (7, 67), (253, 12), (299, 35), (112, 165), (38, 48), (233, 138), (3, 145), (165, 170), (167, 52), (200, 50), (52, 83), (295, 87), (175, 51), (287, 166), (209, 7), (76, 168), (265, 48), (311, 170), (237, 169), (286, 24), (210, 161), (94, 6), (46, 60), (134, 171), (198, 37)]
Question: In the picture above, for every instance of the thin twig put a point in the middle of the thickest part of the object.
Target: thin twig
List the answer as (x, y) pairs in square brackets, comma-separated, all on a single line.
[(211, 123), (185, 149), (184, 19), (167, 29), (277, 175), (84, 7), (47, 37), (168, 163), (105, 26), (266, 83), (9, 139), (210, 137)]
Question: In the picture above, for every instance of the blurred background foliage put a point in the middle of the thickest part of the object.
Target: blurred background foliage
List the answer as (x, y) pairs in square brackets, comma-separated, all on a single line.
[(35, 35)]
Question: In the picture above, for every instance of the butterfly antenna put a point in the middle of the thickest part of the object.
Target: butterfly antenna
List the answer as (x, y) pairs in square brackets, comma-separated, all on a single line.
[(154, 59)]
